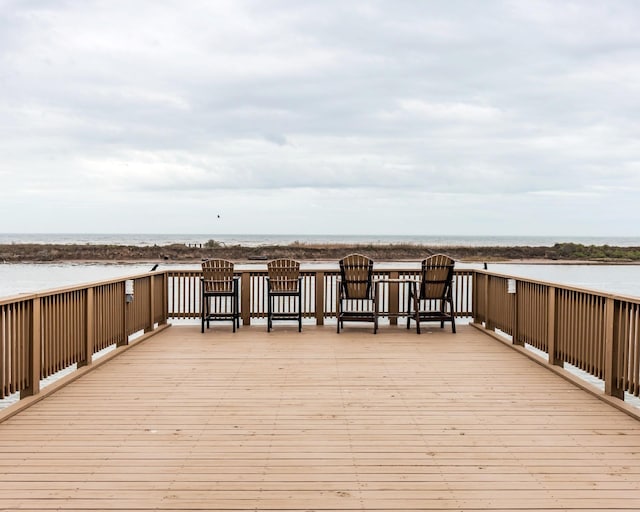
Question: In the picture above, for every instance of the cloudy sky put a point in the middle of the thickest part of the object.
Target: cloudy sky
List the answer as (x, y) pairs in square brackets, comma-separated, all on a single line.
[(419, 117)]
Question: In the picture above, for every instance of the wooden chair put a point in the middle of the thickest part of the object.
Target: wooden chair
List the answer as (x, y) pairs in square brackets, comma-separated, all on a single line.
[(283, 284), (434, 292), (218, 284), (356, 289)]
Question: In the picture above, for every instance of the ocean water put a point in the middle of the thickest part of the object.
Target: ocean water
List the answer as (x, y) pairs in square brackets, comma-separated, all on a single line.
[(257, 240), (18, 278)]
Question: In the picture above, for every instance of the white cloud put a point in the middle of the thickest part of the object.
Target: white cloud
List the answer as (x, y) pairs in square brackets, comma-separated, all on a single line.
[(449, 112), (314, 115)]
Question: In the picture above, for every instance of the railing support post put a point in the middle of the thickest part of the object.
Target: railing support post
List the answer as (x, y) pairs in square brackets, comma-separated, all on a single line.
[(487, 305), (551, 328), (319, 284), (35, 352), (245, 297), (165, 298), (515, 327), (475, 314), (394, 297), (152, 311), (125, 328), (90, 330), (611, 376)]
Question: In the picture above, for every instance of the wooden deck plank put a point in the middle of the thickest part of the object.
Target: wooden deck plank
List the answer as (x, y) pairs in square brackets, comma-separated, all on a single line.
[(317, 421)]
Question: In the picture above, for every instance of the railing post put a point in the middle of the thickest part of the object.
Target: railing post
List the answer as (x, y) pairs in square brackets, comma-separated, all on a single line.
[(35, 353), (474, 297), (611, 375), (551, 328), (487, 306), (515, 327), (245, 297), (90, 331), (394, 297), (125, 327), (165, 298), (319, 284), (151, 304)]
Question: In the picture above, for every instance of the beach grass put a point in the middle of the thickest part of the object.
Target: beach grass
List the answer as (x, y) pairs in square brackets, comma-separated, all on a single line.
[(304, 251)]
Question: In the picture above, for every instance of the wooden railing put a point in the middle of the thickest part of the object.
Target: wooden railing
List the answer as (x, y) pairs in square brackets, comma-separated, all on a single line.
[(596, 333), (41, 334), (318, 293), (44, 333)]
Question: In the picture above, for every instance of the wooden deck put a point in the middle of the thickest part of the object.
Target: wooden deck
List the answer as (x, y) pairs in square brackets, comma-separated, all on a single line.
[(319, 421)]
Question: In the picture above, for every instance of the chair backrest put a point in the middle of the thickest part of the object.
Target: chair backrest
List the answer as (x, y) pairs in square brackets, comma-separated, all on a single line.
[(283, 275), (437, 276), (356, 272), (218, 276)]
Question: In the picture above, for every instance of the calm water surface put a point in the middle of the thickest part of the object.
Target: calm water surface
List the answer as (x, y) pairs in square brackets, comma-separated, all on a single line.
[(33, 277), (249, 240)]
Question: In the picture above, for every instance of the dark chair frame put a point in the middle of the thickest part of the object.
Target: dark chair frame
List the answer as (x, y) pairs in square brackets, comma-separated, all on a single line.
[(284, 280), (218, 280), (434, 288), (356, 284)]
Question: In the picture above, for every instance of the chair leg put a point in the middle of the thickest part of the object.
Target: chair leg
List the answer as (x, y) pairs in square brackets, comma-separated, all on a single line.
[(237, 312), (453, 318), (376, 309), (269, 312), (299, 311), (234, 309), (202, 305)]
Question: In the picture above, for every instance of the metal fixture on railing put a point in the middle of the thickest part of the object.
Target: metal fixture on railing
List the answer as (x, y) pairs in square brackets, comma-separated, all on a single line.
[(128, 290)]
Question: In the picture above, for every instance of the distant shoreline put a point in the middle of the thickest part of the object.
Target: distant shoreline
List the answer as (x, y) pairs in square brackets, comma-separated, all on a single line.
[(187, 253)]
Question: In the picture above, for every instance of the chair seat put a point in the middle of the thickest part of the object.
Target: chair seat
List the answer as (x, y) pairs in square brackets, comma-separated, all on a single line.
[(219, 294), (285, 293), (354, 316)]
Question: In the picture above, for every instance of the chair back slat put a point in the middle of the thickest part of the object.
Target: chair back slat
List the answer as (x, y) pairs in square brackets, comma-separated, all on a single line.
[(436, 277), (218, 276), (284, 275), (356, 272)]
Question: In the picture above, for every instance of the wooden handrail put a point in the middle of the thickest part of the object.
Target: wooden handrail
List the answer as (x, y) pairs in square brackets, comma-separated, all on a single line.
[(597, 333), (45, 332), (318, 290)]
